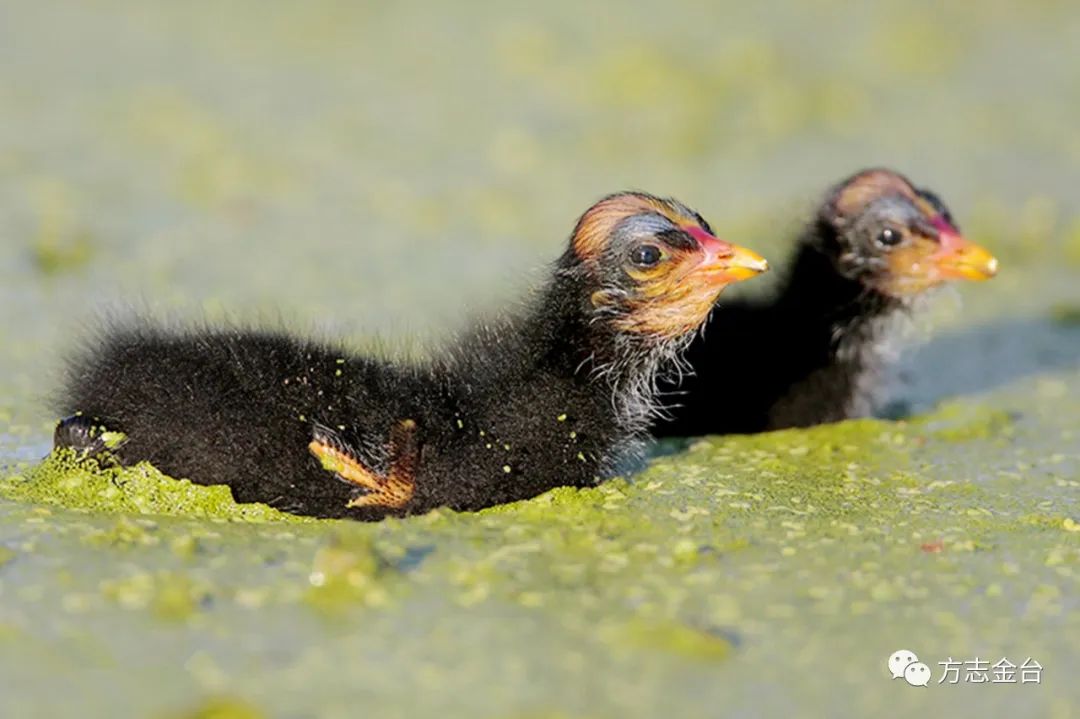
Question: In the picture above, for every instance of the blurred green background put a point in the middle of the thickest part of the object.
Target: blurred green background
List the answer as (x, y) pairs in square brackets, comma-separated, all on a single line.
[(362, 168)]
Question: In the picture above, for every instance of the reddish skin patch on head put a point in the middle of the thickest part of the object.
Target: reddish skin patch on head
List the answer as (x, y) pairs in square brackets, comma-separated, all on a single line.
[(948, 236), (941, 224), (709, 243)]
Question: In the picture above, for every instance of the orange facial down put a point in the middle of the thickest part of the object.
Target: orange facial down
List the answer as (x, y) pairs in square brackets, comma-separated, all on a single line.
[(674, 297), (926, 262)]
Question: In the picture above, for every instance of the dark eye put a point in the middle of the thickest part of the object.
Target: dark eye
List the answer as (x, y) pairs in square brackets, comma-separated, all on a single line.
[(890, 237), (645, 255)]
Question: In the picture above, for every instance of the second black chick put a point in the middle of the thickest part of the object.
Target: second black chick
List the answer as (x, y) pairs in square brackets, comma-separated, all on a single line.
[(555, 395), (813, 352)]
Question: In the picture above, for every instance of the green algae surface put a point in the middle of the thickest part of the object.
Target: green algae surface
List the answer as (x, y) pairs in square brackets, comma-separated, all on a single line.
[(733, 565), (61, 479), (370, 172)]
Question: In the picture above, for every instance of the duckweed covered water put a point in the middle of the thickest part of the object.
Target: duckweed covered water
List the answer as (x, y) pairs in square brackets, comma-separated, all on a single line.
[(61, 479), (735, 565), (358, 168)]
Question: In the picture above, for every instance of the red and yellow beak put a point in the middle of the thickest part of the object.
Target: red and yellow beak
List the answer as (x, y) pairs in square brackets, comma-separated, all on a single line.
[(959, 258), (724, 263)]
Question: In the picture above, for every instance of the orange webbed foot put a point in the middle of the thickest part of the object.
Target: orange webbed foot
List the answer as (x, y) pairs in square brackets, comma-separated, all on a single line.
[(392, 489)]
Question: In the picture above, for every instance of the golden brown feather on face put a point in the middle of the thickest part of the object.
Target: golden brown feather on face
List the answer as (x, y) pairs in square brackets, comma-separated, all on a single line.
[(898, 239), (657, 267)]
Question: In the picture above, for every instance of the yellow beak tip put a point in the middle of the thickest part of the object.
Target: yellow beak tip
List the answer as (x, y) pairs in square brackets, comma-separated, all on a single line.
[(749, 261)]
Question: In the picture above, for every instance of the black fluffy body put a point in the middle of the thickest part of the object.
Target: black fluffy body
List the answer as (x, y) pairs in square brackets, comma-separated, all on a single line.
[(813, 351), (238, 408), (551, 396)]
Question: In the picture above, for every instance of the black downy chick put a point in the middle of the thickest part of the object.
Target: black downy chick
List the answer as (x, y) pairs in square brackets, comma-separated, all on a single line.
[(815, 350), (556, 395)]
